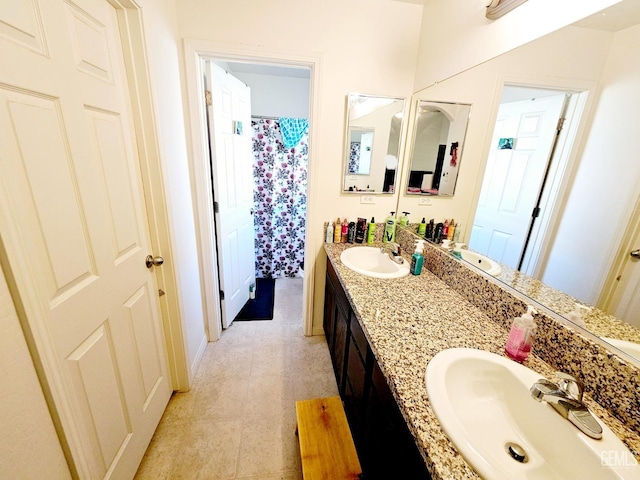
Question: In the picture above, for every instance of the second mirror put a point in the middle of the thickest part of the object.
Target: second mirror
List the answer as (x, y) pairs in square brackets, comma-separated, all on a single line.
[(438, 139)]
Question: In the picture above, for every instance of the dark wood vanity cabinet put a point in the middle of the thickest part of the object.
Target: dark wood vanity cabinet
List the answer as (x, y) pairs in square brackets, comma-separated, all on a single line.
[(385, 445)]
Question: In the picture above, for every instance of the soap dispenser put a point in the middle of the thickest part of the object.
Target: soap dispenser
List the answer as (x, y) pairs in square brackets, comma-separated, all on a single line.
[(404, 219), (576, 314), (390, 228), (521, 336), (417, 259)]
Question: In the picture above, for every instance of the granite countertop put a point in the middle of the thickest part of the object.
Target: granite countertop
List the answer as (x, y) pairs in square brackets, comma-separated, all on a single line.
[(598, 322), (418, 317)]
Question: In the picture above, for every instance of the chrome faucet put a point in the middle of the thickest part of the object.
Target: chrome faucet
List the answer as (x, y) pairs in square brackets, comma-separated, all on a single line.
[(566, 398), (393, 250)]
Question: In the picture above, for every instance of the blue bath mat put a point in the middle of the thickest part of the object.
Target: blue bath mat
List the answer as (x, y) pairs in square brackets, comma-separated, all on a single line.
[(261, 307)]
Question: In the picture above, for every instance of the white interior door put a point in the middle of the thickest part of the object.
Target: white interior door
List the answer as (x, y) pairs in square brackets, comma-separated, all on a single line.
[(625, 302), (513, 177), (74, 228), (232, 166)]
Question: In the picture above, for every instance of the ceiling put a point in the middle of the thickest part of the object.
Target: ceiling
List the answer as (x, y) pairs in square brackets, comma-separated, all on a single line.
[(622, 15)]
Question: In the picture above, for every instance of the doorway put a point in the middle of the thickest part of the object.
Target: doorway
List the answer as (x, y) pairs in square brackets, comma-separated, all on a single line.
[(272, 137), (195, 52), (523, 176)]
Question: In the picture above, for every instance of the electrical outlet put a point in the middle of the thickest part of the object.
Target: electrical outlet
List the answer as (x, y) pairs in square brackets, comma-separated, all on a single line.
[(367, 199), (426, 202)]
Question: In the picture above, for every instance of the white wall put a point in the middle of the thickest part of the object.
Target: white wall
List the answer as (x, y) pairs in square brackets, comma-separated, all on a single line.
[(162, 43), (277, 96), (607, 183), (372, 53), (571, 55), (29, 444), (456, 35)]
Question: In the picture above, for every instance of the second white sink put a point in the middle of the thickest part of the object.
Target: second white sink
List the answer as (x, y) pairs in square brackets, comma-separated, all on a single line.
[(483, 263), (483, 404), (372, 262)]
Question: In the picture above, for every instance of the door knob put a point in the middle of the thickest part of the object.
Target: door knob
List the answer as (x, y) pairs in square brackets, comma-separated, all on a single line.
[(154, 261), (635, 253)]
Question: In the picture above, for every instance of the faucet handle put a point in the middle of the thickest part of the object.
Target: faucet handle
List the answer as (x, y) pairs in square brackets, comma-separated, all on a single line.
[(570, 385), (396, 247)]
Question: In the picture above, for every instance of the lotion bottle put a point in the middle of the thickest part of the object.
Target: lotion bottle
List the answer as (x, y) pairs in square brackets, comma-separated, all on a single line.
[(422, 228), (417, 259), (404, 219), (521, 336), (390, 229), (329, 234)]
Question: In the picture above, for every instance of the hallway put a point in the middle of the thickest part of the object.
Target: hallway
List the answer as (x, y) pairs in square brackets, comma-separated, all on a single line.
[(238, 420)]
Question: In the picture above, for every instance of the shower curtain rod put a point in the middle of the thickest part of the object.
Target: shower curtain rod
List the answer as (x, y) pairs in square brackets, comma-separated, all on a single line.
[(265, 117)]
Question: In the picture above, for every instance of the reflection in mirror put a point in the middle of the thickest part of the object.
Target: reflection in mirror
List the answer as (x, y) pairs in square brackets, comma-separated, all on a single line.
[(372, 143), (438, 139), (360, 151), (594, 223)]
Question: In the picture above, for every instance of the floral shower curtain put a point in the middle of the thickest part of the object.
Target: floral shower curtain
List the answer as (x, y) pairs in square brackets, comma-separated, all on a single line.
[(280, 200)]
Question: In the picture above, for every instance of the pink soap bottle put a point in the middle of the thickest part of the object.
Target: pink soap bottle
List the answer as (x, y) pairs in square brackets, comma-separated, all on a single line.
[(521, 336)]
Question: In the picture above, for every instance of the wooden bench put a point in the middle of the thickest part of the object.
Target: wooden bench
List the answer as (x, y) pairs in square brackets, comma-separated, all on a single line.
[(326, 445)]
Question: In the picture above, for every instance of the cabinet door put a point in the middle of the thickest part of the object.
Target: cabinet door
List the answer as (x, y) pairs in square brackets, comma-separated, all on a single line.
[(329, 315), (340, 345), (354, 393), (387, 441)]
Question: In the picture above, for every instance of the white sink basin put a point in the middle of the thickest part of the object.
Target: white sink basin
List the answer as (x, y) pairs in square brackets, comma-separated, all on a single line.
[(626, 346), (482, 402), (373, 263), (483, 263)]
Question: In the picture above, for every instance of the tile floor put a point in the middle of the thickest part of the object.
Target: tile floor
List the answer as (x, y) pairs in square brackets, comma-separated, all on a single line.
[(238, 420)]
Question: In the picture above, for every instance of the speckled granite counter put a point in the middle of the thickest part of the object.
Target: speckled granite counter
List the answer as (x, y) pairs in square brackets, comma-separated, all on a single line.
[(418, 317), (597, 321)]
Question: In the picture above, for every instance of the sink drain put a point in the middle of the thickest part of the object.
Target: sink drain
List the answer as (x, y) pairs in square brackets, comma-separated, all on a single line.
[(516, 452)]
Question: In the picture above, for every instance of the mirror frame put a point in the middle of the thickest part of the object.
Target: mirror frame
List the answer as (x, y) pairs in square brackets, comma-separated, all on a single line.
[(350, 98)]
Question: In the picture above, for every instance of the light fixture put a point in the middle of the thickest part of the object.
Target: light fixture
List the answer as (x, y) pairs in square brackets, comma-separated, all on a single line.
[(498, 8)]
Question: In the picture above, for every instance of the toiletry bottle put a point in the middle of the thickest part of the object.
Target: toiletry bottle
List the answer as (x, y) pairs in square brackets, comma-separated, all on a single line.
[(344, 232), (390, 229), (521, 336), (452, 229), (404, 219), (361, 228), (445, 229), (576, 315), (437, 234), (371, 232), (456, 234), (337, 230), (422, 228), (329, 233), (351, 232), (417, 259), (430, 230)]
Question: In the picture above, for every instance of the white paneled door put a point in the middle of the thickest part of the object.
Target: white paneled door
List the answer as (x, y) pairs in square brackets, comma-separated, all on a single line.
[(232, 167), (74, 228), (513, 177)]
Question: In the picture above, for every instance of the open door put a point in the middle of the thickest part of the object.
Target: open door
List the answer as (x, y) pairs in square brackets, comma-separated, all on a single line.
[(232, 172)]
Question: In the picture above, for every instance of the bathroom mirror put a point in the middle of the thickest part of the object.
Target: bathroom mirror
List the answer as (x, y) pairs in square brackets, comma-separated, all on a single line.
[(437, 143), (372, 143), (600, 55)]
